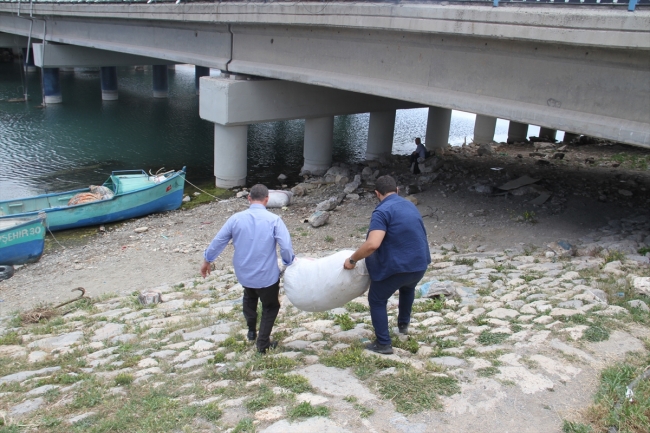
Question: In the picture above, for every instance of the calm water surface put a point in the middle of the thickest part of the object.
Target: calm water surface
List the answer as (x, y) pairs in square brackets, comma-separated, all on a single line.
[(79, 142)]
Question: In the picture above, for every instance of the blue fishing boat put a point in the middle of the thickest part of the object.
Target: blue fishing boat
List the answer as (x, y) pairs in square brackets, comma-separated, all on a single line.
[(22, 240), (126, 194)]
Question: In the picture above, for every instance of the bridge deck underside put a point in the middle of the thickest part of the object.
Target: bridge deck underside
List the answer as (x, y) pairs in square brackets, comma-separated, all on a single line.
[(599, 91)]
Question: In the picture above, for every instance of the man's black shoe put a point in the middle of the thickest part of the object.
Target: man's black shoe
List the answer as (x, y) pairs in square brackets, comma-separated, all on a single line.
[(384, 349), (272, 345), (252, 335), (403, 328)]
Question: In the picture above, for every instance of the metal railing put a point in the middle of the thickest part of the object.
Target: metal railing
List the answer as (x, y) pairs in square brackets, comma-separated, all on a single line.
[(630, 4)]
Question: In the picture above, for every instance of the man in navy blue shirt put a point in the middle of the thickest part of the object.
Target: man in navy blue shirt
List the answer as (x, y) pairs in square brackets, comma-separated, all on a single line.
[(255, 233), (397, 256)]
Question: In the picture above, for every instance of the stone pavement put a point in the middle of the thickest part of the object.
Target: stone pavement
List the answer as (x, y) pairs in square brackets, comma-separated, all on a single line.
[(516, 346)]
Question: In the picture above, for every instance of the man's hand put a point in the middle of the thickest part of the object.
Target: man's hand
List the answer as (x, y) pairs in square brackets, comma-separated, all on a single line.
[(348, 265), (205, 268)]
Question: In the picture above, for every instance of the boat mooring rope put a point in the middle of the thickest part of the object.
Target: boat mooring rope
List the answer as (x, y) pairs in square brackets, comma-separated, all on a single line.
[(216, 198), (42, 215)]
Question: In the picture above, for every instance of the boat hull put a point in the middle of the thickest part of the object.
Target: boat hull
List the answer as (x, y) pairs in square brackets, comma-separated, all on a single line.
[(22, 243), (164, 196)]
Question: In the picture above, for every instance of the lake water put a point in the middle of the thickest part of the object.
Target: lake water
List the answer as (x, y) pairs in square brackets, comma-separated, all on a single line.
[(79, 142)]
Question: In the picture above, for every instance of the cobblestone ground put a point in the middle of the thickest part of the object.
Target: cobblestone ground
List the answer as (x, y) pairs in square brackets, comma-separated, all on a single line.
[(516, 345)]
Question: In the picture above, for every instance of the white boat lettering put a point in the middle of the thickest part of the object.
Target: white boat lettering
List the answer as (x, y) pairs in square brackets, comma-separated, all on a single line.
[(18, 234)]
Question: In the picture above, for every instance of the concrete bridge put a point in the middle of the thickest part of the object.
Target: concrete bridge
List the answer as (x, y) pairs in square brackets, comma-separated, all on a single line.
[(583, 69)]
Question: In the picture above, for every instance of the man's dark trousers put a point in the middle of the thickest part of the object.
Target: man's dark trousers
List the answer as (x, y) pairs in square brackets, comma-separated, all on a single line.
[(378, 296), (270, 308)]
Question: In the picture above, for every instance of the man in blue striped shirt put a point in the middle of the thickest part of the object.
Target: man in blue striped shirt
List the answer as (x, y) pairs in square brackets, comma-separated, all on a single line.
[(255, 233)]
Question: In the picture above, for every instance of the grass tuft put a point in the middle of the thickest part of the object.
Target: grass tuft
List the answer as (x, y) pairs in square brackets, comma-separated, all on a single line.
[(488, 338), (413, 391), (306, 410)]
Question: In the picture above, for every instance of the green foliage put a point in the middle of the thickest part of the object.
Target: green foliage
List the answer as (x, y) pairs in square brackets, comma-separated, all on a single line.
[(643, 250), (245, 426), (344, 321), (123, 379), (428, 305), (356, 307), (306, 410), (329, 239), (364, 412), (487, 371), (219, 357), (293, 382), (62, 379), (233, 344), (364, 365), (210, 411), (488, 338), (409, 344), (596, 333), (516, 327), (414, 391), (575, 427), (614, 255), (465, 261), (89, 395), (263, 399), (10, 339)]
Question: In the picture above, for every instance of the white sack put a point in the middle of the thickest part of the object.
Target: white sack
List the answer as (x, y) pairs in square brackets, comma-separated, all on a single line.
[(323, 284), (279, 198)]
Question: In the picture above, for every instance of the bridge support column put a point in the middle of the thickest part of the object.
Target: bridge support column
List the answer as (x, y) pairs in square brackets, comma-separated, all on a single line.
[(517, 132), (484, 127), (108, 75), (28, 62), (319, 134), (200, 71), (160, 81), (51, 86), (380, 134), (438, 122), (547, 132), (230, 153), (569, 137)]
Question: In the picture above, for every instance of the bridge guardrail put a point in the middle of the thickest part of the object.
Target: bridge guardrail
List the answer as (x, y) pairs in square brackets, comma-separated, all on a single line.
[(629, 4)]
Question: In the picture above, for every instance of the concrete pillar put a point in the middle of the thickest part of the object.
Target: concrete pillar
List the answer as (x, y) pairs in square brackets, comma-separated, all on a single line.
[(319, 134), (380, 134), (484, 127), (547, 132), (230, 153), (200, 71), (438, 122), (28, 61), (160, 82), (171, 68), (108, 75), (51, 86), (517, 132), (569, 137)]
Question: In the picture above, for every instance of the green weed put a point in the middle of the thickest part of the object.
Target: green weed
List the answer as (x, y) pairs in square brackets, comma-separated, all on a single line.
[(329, 239), (465, 261), (356, 307), (413, 391), (245, 426), (614, 255), (344, 321), (488, 338), (306, 410), (428, 305)]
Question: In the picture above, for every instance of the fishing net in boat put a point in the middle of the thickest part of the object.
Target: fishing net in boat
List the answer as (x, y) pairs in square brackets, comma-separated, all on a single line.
[(96, 193)]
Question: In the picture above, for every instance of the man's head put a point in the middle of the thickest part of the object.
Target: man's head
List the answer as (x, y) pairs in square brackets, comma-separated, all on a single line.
[(417, 141), (258, 194), (384, 186)]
